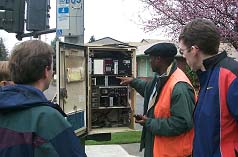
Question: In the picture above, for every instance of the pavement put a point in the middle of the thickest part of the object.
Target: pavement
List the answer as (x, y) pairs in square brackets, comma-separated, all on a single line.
[(124, 150)]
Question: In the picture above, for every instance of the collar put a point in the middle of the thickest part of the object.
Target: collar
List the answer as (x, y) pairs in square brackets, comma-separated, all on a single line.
[(212, 61), (161, 80), (171, 68)]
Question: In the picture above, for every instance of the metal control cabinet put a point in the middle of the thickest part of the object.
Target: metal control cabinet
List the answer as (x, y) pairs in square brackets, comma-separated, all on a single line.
[(89, 91)]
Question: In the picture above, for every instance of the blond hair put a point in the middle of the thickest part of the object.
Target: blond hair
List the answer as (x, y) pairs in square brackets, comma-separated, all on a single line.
[(4, 71)]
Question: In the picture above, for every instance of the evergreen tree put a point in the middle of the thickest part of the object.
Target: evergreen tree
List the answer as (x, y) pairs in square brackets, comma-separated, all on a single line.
[(92, 39), (3, 51), (53, 44)]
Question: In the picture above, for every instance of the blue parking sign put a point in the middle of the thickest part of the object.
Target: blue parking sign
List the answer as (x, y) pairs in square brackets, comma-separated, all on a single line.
[(59, 32), (63, 10)]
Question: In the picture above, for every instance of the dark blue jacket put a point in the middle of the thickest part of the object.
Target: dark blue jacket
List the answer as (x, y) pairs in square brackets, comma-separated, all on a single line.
[(31, 126), (215, 116)]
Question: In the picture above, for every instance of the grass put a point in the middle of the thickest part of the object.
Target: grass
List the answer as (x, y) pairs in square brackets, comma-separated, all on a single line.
[(119, 138)]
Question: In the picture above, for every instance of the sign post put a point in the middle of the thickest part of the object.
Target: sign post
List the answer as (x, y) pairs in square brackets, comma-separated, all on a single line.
[(70, 20)]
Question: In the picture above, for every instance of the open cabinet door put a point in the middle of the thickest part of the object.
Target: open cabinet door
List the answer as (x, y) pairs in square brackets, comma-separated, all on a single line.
[(71, 71)]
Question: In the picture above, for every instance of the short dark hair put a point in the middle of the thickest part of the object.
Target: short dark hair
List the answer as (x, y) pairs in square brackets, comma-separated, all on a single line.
[(203, 33), (28, 61)]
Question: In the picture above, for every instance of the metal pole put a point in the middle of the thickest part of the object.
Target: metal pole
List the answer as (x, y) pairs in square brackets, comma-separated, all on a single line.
[(78, 25), (35, 34)]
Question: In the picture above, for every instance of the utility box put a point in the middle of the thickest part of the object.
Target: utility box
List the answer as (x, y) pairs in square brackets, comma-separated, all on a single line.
[(89, 91)]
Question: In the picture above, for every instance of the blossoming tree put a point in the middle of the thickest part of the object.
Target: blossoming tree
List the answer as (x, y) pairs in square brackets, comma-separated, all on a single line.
[(174, 14)]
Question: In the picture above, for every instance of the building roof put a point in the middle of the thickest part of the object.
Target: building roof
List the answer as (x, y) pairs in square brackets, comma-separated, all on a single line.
[(146, 43), (106, 41), (231, 51)]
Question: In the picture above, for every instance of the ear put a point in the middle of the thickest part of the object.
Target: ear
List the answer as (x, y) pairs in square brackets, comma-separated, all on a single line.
[(157, 58), (3, 83), (47, 72), (194, 47), (194, 50)]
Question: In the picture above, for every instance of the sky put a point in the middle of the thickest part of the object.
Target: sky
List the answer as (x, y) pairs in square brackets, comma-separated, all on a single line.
[(117, 19)]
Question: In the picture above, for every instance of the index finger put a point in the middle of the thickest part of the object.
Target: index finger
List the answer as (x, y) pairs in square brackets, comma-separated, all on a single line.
[(121, 78)]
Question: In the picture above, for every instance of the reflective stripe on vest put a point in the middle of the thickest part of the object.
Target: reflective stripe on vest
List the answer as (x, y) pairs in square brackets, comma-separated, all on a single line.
[(175, 146)]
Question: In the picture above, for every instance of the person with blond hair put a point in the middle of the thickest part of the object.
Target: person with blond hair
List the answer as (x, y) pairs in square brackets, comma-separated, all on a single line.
[(4, 74)]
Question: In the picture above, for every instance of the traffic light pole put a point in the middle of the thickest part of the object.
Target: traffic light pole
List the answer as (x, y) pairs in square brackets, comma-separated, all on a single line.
[(35, 34)]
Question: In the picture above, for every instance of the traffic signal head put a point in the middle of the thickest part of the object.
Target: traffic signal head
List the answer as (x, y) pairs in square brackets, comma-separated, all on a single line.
[(12, 15), (37, 15), (7, 4)]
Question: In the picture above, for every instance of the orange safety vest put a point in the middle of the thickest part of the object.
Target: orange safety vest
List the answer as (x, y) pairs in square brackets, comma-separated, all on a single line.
[(171, 146)]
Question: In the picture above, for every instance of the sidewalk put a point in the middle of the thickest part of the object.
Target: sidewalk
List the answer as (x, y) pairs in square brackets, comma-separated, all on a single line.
[(124, 150)]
